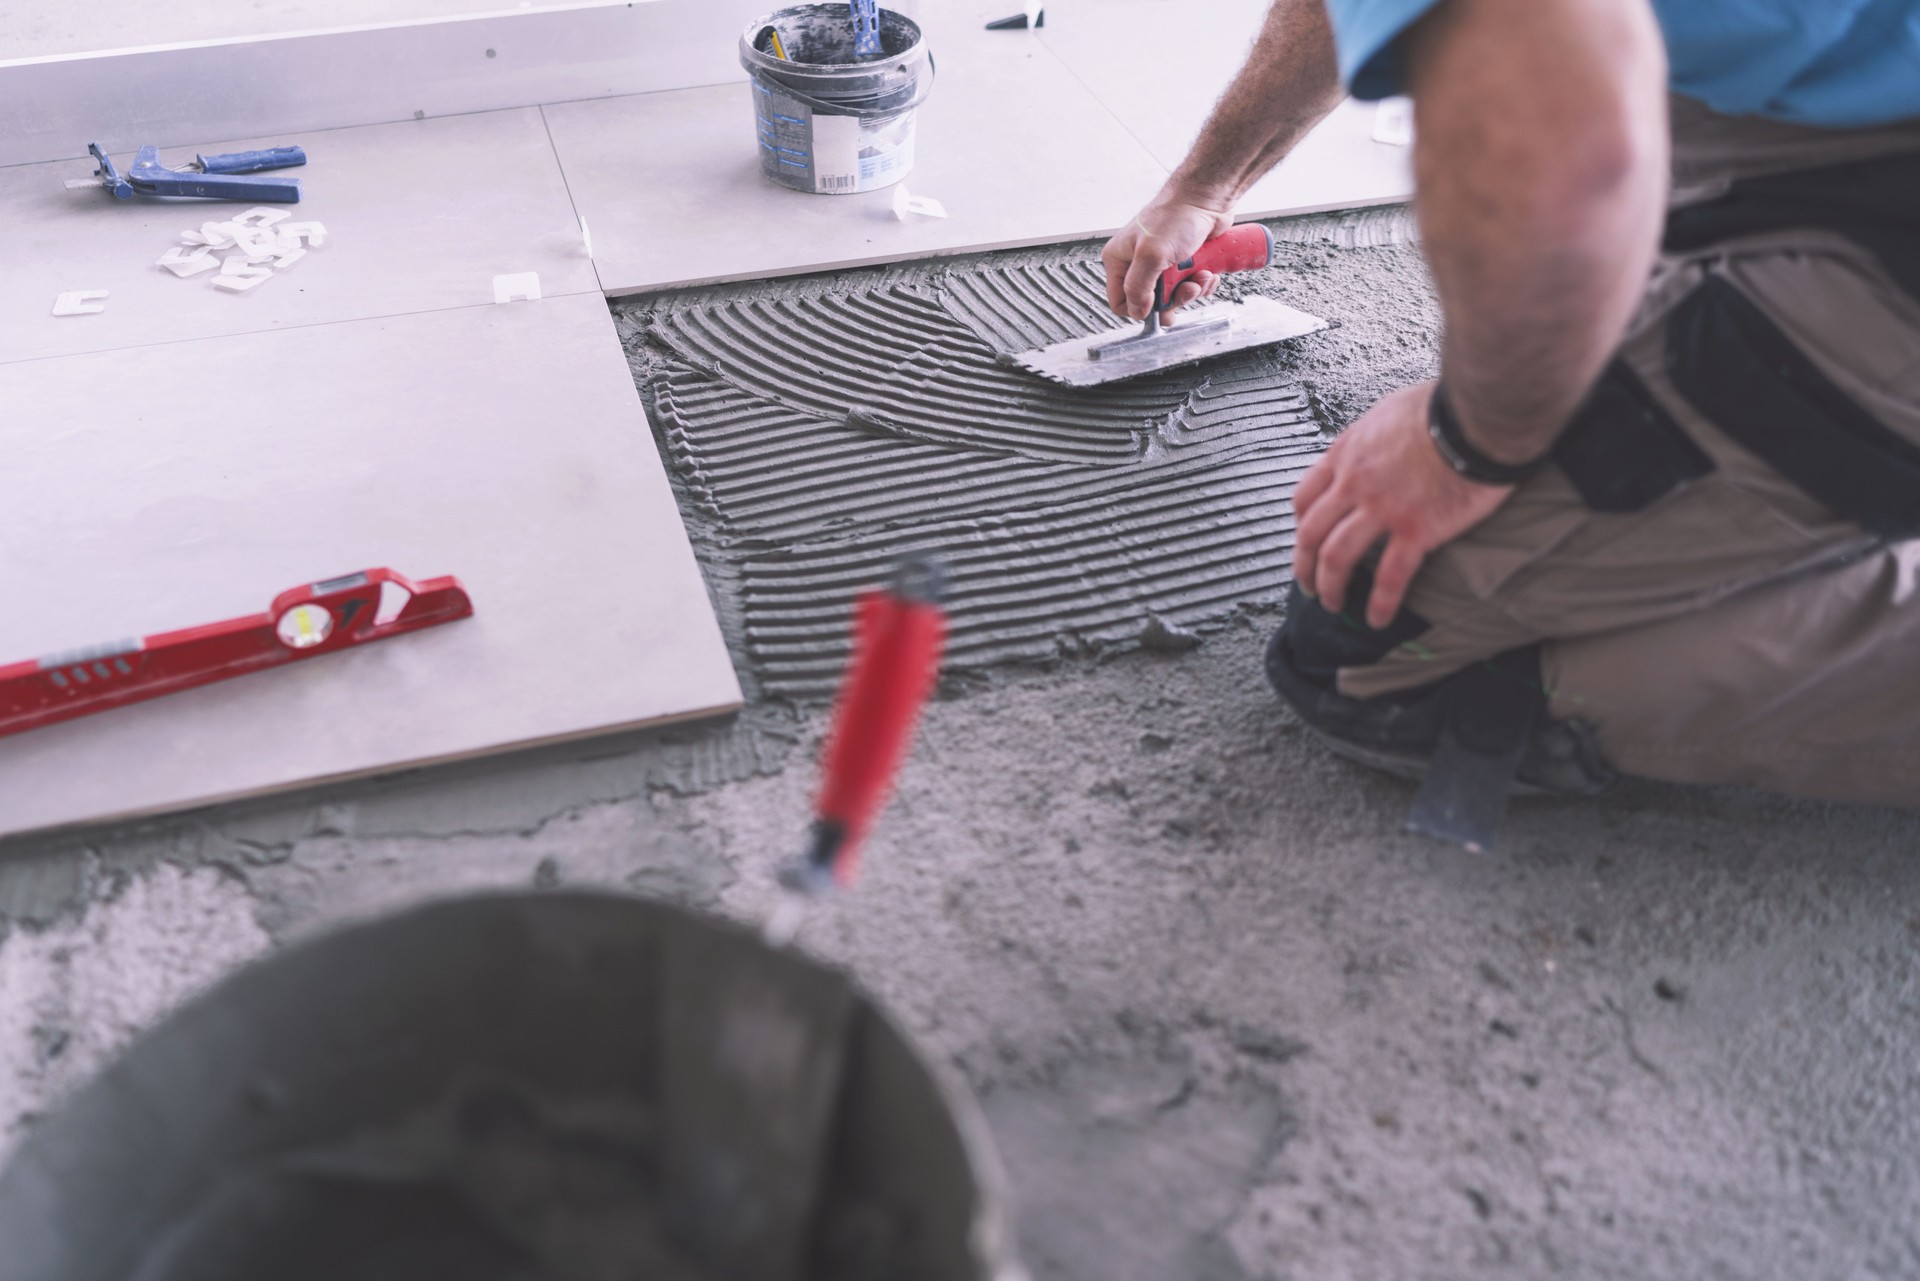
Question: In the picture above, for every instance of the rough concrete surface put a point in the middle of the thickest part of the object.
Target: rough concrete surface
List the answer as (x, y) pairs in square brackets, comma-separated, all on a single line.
[(1227, 1021)]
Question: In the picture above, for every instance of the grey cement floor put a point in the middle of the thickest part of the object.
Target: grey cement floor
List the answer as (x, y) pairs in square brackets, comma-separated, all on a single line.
[(1226, 1020)]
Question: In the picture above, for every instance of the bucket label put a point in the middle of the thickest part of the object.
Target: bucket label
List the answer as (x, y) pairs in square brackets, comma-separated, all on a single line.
[(833, 155), (886, 152), (851, 154), (836, 153), (786, 137)]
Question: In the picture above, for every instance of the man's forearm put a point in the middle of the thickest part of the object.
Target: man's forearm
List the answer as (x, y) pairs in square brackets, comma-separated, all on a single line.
[(1290, 81), (1542, 169)]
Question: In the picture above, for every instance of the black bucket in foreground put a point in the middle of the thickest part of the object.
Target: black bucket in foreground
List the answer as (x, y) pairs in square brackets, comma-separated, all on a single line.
[(515, 1087), (825, 119)]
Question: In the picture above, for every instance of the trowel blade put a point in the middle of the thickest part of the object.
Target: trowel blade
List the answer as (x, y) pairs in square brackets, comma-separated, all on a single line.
[(1255, 322)]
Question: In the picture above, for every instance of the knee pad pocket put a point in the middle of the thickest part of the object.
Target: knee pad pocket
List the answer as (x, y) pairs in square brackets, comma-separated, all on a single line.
[(1322, 642)]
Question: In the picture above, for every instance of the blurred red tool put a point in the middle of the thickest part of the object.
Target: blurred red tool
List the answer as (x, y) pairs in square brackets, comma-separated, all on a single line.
[(899, 631)]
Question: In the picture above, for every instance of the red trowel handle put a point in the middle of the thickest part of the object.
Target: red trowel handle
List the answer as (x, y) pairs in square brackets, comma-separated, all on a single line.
[(1247, 247)]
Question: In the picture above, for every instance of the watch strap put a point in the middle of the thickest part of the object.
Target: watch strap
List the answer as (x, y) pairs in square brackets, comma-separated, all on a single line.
[(1450, 439)]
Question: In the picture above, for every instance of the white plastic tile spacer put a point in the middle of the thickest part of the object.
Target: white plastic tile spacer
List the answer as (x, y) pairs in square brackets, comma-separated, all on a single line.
[(586, 238), (79, 302), (292, 233), (261, 216), (904, 203), (194, 238), (1393, 122), (219, 235), (520, 286), (289, 256), (257, 243), (187, 262), (238, 275)]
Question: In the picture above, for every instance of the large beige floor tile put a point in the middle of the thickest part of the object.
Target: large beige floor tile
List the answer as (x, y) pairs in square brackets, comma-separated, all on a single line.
[(420, 215), (170, 485), (38, 28), (1014, 146), (187, 93), (1160, 65)]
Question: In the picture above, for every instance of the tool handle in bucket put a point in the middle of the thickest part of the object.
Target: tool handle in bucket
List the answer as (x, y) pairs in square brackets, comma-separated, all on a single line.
[(866, 27), (1247, 247), (920, 92)]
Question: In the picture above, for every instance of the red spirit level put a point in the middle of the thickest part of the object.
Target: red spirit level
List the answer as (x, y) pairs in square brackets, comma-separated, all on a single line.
[(305, 622)]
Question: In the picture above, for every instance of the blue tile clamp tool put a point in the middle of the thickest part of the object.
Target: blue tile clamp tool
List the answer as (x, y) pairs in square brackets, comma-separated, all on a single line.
[(866, 28), (221, 177)]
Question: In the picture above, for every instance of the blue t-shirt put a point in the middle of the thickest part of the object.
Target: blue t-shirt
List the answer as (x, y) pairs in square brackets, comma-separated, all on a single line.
[(1818, 62)]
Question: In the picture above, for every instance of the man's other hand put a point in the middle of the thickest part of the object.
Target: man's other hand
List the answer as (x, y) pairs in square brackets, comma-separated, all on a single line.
[(1383, 479), (1168, 231)]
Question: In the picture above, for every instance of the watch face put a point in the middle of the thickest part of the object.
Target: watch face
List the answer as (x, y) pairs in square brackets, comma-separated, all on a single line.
[(1441, 427)]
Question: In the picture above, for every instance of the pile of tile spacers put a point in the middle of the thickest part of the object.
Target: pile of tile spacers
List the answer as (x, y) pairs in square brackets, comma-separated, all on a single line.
[(262, 242)]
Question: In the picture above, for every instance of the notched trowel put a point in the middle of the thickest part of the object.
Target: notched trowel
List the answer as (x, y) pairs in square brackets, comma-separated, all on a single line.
[(1211, 330)]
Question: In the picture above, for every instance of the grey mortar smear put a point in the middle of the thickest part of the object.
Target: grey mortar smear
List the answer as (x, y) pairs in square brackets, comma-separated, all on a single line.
[(902, 361), (816, 428)]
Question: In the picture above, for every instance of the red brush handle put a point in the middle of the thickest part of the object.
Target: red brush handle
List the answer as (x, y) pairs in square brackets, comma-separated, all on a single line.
[(1247, 247), (897, 643)]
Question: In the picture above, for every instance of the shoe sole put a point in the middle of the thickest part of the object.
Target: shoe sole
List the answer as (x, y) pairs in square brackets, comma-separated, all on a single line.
[(1411, 768)]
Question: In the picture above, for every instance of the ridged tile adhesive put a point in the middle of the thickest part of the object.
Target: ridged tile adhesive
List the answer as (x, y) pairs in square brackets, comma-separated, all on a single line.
[(815, 429)]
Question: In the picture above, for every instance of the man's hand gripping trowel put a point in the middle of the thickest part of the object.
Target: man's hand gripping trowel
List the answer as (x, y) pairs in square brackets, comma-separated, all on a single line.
[(898, 634), (1209, 330)]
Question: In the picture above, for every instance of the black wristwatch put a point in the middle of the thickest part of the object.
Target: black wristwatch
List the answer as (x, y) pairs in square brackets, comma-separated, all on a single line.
[(1448, 437)]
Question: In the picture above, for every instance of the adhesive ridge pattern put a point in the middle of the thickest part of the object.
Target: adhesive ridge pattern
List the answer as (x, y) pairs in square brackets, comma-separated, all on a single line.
[(896, 360), (817, 430), (1030, 306)]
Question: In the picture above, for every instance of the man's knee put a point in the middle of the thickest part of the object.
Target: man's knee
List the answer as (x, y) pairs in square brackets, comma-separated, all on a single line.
[(1500, 696), (1315, 645), (1322, 642)]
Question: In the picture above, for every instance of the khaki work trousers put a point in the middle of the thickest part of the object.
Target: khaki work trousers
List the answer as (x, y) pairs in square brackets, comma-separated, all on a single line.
[(1735, 630)]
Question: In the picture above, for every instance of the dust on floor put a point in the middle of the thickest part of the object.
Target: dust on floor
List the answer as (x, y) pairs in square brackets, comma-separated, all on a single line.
[(1227, 1021)]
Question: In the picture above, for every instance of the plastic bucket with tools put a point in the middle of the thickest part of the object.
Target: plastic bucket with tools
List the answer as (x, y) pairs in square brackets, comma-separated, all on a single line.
[(828, 120), (515, 1087)]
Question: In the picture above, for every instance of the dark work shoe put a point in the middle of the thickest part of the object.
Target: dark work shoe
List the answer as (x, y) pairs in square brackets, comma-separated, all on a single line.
[(1398, 733)]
